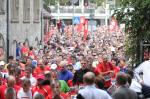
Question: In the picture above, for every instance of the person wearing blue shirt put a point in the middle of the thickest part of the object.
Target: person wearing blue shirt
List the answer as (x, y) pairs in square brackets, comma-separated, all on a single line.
[(64, 74)]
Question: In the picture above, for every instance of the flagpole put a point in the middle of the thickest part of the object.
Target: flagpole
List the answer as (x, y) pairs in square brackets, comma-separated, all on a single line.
[(73, 20), (58, 9)]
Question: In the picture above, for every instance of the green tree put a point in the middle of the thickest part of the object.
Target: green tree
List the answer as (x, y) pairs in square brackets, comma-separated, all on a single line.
[(97, 2), (54, 2), (49, 2), (118, 3), (135, 14)]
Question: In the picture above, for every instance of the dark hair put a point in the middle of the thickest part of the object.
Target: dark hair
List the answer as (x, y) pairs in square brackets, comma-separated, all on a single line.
[(130, 72), (17, 70), (11, 57), (28, 69), (31, 48), (121, 79), (129, 79), (99, 81)]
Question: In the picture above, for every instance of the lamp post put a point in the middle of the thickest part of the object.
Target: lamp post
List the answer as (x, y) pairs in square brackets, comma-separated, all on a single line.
[(106, 7), (73, 2), (91, 19), (106, 13), (7, 37), (58, 10)]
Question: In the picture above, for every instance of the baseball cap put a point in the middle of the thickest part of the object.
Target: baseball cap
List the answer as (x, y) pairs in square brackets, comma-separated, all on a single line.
[(40, 76), (53, 66), (2, 63)]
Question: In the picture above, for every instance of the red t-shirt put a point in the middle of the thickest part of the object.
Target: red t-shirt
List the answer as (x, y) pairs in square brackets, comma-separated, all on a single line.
[(3, 89), (46, 91), (65, 96), (38, 70), (104, 67), (24, 50)]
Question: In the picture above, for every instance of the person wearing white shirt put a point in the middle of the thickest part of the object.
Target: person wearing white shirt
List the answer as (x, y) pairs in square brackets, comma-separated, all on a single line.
[(90, 91), (134, 84), (25, 92), (28, 74), (145, 69)]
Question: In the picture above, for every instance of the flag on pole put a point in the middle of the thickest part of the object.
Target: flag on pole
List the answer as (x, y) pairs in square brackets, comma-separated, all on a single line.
[(85, 29), (80, 26), (113, 25)]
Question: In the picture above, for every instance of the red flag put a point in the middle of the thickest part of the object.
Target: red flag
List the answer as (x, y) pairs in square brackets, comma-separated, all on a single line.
[(113, 24), (80, 26), (82, 20), (79, 29), (85, 29)]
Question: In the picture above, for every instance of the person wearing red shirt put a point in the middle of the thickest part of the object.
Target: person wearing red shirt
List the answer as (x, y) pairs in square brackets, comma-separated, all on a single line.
[(31, 52), (24, 50), (41, 68), (116, 68), (10, 83), (45, 90), (18, 76), (105, 69)]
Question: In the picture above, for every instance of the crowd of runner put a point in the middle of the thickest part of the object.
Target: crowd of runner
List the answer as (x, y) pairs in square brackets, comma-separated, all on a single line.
[(68, 67)]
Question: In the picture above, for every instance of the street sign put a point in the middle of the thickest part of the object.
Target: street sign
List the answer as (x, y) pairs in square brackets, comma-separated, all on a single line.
[(76, 20)]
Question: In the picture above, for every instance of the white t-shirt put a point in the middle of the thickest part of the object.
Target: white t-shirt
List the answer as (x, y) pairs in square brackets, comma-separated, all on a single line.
[(145, 68), (32, 80), (113, 49), (136, 86), (24, 95)]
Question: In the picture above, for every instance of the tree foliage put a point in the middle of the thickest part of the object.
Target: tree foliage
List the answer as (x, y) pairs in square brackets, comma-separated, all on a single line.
[(54, 2), (97, 2), (135, 14)]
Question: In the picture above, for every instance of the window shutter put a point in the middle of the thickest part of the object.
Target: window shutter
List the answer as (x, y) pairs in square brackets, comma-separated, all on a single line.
[(2, 7), (14, 10), (26, 11), (36, 7)]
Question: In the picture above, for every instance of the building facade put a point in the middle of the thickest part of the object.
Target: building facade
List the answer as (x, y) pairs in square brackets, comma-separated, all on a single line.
[(84, 8), (23, 23)]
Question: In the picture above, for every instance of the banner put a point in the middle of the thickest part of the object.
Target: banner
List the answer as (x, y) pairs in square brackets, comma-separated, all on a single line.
[(113, 25), (85, 29), (80, 26)]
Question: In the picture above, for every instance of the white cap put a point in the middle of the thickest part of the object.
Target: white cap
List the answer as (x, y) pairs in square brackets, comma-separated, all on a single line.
[(53, 66), (2, 63)]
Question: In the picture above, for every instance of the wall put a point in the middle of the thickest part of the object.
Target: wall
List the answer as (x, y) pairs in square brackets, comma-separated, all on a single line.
[(3, 27), (21, 31)]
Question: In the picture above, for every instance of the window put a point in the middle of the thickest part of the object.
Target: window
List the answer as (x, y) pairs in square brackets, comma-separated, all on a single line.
[(14, 10), (36, 10), (2, 7), (26, 11)]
